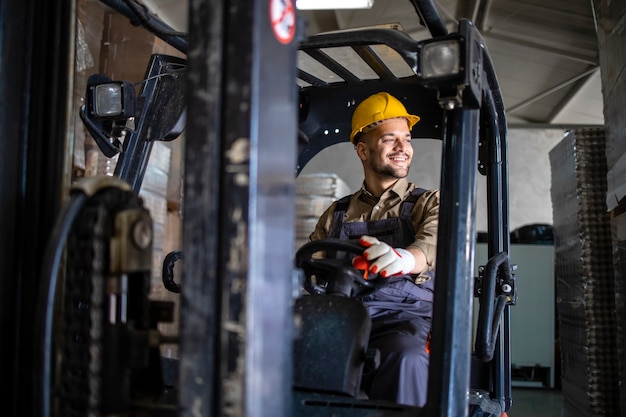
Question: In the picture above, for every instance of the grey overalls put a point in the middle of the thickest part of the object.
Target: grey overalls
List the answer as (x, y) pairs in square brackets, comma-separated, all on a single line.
[(401, 312)]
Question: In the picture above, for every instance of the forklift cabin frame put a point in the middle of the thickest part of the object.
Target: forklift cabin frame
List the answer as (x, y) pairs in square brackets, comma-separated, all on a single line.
[(238, 203)]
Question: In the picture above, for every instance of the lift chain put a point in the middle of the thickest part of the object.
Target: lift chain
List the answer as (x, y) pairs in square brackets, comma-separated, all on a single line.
[(81, 348)]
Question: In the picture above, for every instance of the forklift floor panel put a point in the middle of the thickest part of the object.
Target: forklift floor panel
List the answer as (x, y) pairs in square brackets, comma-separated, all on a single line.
[(536, 402)]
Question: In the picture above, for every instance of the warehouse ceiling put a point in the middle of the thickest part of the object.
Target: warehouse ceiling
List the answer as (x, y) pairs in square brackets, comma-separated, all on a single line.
[(545, 52)]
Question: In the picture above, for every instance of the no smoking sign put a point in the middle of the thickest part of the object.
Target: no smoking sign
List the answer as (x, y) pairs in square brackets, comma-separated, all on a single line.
[(283, 18)]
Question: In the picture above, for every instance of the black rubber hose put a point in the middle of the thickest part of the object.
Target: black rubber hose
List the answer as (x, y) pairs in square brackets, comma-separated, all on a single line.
[(491, 309), (430, 17), (168, 271), (136, 14), (47, 294)]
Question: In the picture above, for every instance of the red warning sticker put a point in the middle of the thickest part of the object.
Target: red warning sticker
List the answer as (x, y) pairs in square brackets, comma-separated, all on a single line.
[(283, 18)]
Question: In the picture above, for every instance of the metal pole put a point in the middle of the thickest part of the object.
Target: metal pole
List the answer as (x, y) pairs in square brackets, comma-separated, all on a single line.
[(239, 217), (451, 338)]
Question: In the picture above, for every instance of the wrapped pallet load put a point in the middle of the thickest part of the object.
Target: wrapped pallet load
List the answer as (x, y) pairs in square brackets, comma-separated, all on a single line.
[(314, 193), (586, 290)]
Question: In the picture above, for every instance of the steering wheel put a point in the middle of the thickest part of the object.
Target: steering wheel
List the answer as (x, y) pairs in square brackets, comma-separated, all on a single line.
[(335, 275)]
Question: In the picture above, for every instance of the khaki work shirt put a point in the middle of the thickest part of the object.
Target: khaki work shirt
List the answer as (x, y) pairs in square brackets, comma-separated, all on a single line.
[(364, 207)]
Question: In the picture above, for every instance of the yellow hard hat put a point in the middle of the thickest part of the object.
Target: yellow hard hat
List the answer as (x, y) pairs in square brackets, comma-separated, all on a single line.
[(378, 107)]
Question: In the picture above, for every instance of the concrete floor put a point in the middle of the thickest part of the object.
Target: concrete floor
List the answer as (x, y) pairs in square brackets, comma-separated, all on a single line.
[(536, 402)]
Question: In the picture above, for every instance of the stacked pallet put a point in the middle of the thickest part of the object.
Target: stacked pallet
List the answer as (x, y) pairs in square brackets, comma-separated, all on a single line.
[(314, 193), (584, 275)]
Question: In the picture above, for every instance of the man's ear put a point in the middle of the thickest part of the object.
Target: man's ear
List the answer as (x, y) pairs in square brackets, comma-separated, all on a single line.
[(361, 151)]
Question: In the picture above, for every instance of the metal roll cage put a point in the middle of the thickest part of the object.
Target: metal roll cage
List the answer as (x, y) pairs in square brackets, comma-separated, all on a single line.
[(474, 135)]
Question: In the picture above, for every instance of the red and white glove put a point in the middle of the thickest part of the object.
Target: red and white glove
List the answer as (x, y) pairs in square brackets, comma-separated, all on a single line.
[(381, 258)]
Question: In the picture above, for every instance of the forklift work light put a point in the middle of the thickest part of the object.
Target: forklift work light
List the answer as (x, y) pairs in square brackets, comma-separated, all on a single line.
[(113, 100), (441, 59), (453, 65), (108, 110)]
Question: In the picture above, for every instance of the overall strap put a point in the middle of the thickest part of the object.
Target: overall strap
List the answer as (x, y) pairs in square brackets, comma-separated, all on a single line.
[(340, 210), (405, 215), (409, 203)]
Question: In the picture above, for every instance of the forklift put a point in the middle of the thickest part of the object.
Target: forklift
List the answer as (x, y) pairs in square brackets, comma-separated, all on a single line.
[(254, 116)]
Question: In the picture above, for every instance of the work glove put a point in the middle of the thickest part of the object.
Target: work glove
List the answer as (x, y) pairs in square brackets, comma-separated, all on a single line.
[(381, 258)]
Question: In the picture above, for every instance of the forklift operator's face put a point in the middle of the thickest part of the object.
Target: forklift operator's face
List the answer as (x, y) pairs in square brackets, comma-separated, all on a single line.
[(386, 151)]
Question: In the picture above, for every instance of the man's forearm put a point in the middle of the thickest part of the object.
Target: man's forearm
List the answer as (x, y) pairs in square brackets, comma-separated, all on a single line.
[(421, 264)]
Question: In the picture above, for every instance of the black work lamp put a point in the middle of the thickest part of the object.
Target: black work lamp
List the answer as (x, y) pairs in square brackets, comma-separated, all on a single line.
[(109, 111), (452, 64), (112, 100)]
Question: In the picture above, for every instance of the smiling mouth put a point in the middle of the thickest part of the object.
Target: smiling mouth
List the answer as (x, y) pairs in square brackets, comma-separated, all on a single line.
[(398, 159)]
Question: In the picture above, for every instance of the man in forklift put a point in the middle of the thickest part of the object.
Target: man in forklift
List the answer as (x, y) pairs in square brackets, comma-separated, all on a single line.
[(396, 223)]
